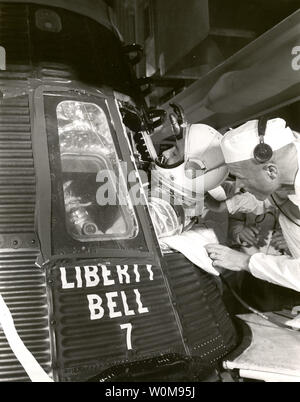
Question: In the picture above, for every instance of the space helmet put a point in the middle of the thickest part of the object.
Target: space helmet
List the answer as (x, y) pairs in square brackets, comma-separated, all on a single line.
[(201, 169)]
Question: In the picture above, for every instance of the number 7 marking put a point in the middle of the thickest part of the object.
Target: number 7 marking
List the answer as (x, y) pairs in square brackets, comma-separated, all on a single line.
[(128, 327)]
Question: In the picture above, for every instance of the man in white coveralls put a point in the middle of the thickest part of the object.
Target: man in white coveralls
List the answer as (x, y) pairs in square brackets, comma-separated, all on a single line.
[(275, 179)]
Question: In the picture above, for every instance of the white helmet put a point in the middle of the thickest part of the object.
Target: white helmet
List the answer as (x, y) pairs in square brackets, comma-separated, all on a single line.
[(202, 169)]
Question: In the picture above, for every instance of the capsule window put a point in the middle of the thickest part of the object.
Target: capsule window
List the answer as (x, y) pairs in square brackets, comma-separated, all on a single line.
[(96, 199)]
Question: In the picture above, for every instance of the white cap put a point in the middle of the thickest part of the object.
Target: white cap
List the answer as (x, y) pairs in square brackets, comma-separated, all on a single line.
[(238, 145)]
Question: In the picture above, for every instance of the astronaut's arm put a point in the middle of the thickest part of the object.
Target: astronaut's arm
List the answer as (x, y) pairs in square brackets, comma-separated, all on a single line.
[(280, 270)]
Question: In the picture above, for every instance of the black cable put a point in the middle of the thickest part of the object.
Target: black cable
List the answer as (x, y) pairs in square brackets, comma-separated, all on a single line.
[(253, 310), (260, 218), (289, 218)]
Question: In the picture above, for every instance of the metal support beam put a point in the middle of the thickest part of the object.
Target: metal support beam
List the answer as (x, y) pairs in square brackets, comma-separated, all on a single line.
[(260, 77)]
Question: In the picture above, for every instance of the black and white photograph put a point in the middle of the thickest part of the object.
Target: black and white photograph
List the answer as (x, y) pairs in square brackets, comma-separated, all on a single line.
[(150, 194)]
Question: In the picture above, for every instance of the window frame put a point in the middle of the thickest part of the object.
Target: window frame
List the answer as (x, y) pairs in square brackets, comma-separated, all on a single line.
[(43, 157)]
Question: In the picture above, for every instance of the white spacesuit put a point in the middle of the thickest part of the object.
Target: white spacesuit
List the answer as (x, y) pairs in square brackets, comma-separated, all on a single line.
[(199, 167)]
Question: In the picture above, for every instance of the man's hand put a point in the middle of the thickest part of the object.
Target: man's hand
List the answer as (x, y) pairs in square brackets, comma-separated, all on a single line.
[(249, 235), (279, 243), (243, 234), (225, 257)]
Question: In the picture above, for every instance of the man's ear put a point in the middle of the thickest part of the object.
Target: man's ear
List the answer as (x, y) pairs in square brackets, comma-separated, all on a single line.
[(271, 170)]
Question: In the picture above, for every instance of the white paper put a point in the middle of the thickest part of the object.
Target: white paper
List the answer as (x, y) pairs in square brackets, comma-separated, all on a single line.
[(191, 245)]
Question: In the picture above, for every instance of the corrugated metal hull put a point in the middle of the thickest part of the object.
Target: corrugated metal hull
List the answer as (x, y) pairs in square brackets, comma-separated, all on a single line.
[(17, 176), (22, 286), (87, 347), (207, 328), (184, 305)]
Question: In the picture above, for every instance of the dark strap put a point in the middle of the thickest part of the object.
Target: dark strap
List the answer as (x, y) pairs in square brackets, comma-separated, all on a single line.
[(262, 126), (284, 213)]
